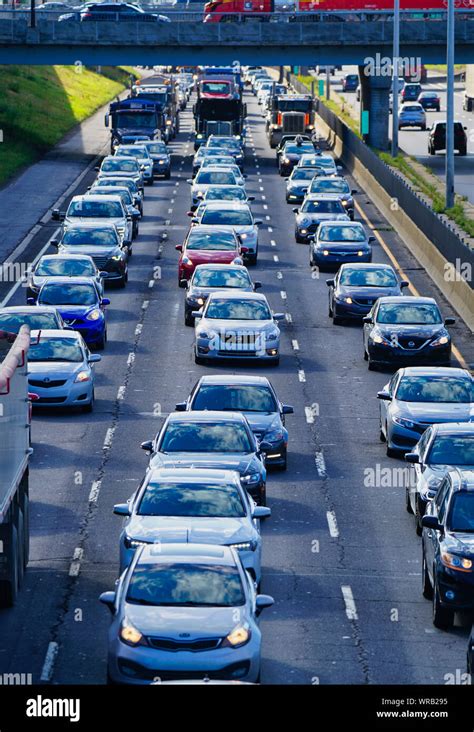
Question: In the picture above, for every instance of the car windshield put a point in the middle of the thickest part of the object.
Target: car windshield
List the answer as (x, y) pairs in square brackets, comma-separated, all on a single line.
[(222, 177), (186, 584), (292, 148), (294, 105), (218, 242), (105, 191), (302, 174), (206, 437), (412, 108), (191, 499), (461, 514), (329, 185), (420, 314), (221, 278), (223, 193), (218, 160), (133, 120), (225, 142), (216, 87), (344, 232), (227, 217), (157, 148), (68, 294), (135, 151), (90, 237), (452, 450), (333, 207), (238, 310), (235, 398), (12, 322), (95, 209), (431, 388), (56, 349), (357, 277), (65, 267)]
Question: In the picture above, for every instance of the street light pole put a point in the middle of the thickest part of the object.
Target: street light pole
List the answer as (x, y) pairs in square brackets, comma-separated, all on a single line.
[(395, 57), (33, 14), (450, 108)]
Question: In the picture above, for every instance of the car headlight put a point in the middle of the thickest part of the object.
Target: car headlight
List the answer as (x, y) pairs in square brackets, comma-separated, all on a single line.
[(345, 203), (274, 435), (187, 260), (116, 257), (238, 637), (94, 315), (161, 162), (200, 194), (129, 634), (429, 487), (133, 543), (453, 561), (83, 376), (286, 160), (325, 252), (360, 253), (273, 336), (200, 301), (199, 137), (245, 546), (303, 231), (440, 341), (206, 335), (251, 479), (348, 300), (403, 422), (377, 337), (243, 236)]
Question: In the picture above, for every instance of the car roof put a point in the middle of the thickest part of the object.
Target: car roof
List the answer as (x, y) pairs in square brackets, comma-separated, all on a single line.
[(78, 280), (55, 257), (457, 428), (368, 265), (230, 266), (322, 197), (338, 222), (29, 309), (55, 333), (100, 199), (227, 295), (407, 299), (462, 479), (230, 379), (231, 205), (436, 371), (207, 415), (164, 553), (196, 475)]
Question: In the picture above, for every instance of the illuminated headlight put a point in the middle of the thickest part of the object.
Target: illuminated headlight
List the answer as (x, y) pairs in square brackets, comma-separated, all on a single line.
[(377, 338), (243, 236), (186, 260), (161, 162), (200, 301), (83, 376), (303, 231), (94, 315), (348, 300), (286, 160), (345, 203), (200, 194), (199, 137), (325, 252), (238, 637), (310, 127), (360, 253), (440, 341), (116, 257), (245, 546), (133, 543), (462, 564), (403, 422), (251, 479), (168, 122), (129, 634)]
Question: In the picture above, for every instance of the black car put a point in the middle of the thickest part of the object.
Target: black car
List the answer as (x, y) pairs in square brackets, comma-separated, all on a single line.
[(350, 82), (430, 100), (448, 548), (113, 11), (356, 287), (212, 440), (291, 138), (102, 243), (291, 153), (255, 397), (406, 331), (335, 185), (437, 138), (208, 278), (298, 183), (313, 211), (161, 157), (470, 654)]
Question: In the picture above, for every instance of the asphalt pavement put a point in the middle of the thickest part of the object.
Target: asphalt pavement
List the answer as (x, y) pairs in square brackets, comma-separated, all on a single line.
[(340, 553)]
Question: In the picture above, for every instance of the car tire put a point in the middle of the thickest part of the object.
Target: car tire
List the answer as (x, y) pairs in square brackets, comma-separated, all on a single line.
[(391, 452), (188, 319), (423, 128), (443, 617), (407, 501), (337, 320), (199, 360), (418, 517), (382, 437), (462, 152), (330, 310), (426, 587), (101, 344), (88, 408), (366, 356), (371, 365), (168, 175), (123, 281)]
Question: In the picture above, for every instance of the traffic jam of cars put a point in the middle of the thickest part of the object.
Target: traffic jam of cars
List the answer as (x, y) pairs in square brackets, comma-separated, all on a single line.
[(188, 599)]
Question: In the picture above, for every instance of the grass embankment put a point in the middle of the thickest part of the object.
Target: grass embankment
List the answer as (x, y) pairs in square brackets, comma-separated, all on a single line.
[(334, 106), (40, 104)]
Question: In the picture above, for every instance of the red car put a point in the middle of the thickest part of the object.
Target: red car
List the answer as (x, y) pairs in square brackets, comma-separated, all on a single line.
[(205, 245)]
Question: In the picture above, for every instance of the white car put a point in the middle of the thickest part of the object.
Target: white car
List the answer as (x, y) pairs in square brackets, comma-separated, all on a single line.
[(232, 216), (141, 155), (209, 176), (98, 210)]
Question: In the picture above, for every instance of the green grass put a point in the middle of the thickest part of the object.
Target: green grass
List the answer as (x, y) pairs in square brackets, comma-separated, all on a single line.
[(332, 105), (40, 104), (458, 68)]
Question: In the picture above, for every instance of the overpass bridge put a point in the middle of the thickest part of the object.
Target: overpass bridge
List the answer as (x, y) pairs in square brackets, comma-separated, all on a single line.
[(298, 39)]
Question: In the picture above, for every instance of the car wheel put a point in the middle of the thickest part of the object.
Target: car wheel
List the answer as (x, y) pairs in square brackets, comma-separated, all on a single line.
[(443, 617), (418, 517), (123, 280), (391, 452), (102, 342), (168, 175), (407, 501), (426, 587), (188, 319), (179, 281), (366, 357), (337, 320), (423, 128), (370, 365), (382, 435), (330, 310), (88, 408), (199, 360), (462, 152)]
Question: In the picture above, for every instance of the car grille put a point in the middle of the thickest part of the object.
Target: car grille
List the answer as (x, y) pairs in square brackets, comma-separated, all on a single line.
[(135, 670), (293, 123), (50, 400), (47, 384), (170, 644), (100, 261), (412, 343), (364, 301)]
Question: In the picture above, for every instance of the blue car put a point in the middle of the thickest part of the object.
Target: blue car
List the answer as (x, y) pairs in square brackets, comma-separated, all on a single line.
[(80, 304)]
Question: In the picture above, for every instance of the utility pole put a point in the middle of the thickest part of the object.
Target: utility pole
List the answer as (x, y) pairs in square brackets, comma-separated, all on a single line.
[(450, 108), (395, 58), (33, 14)]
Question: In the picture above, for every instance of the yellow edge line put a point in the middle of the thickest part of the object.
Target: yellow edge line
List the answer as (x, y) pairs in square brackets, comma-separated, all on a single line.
[(396, 264)]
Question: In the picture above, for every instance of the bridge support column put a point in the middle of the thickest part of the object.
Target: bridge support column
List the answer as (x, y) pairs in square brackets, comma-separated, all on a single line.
[(375, 90)]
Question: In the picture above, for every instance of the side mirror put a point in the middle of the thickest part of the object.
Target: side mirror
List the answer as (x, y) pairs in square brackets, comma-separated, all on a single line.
[(180, 407), (147, 446), (105, 301), (103, 274), (449, 321), (261, 602), (108, 598), (287, 409), (179, 247), (354, 192), (412, 457), (295, 210), (431, 522), (94, 358), (261, 512), (96, 167), (371, 239), (384, 395), (258, 222), (250, 198), (278, 316), (30, 300), (257, 285), (189, 180), (404, 283), (196, 314), (122, 509), (54, 243), (265, 446), (189, 213), (55, 215), (330, 283), (183, 283), (367, 319)]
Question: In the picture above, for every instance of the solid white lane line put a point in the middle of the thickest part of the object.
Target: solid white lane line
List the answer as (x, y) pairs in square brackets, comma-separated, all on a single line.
[(320, 465), (332, 523), (95, 490), (48, 665), (283, 294), (351, 610)]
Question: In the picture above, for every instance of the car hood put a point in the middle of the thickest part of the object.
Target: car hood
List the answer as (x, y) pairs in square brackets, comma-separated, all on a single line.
[(54, 369), (92, 250), (373, 293), (424, 331), (195, 530), (436, 412), (78, 220), (206, 291), (202, 256), (262, 421), (225, 461), (196, 622), (70, 312), (222, 326), (305, 219)]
